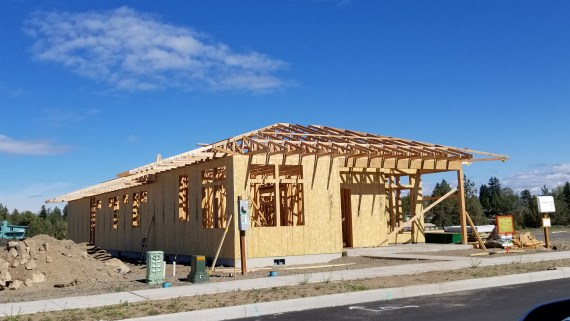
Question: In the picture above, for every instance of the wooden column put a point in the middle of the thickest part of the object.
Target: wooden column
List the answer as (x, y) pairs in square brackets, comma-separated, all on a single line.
[(462, 209), (546, 234), (242, 248), (392, 203), (277, 198), (416, 206), (398, 204)]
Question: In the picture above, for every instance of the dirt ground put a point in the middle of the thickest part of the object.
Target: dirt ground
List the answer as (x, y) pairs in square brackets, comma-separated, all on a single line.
[(80, 269)]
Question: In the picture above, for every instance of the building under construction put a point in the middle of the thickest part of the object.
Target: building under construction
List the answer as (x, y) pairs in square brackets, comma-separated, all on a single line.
[(314, 190)]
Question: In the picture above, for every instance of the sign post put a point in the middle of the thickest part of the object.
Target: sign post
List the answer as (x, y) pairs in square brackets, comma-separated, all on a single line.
[(505, 228), (244, 222), (545, 206)]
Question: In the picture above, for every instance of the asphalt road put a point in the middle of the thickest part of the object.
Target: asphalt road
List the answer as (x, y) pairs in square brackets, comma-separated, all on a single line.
[(499, 303)]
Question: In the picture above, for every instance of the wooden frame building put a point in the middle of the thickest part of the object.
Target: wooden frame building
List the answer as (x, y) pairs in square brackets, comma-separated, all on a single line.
[(314, 190)]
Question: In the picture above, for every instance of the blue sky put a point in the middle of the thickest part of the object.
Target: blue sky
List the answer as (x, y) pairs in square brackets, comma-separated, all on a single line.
[(89, 89)]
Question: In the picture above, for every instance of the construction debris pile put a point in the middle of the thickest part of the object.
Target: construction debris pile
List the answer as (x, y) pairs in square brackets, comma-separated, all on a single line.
[(527, 240), (43, 261), (519, 240)]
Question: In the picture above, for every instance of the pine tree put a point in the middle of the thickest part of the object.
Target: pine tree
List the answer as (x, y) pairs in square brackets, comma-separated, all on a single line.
[(3, 212), (446, 212), (472, 203), (14, 217), (65, 212), (43, 212), (527, 214), (566, 193)]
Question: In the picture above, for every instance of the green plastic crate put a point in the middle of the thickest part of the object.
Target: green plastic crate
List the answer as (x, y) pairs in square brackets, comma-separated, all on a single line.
[(154, 267)]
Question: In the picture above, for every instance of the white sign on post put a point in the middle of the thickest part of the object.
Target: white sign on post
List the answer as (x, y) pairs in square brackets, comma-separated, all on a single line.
[(546, 204), (546, 222)]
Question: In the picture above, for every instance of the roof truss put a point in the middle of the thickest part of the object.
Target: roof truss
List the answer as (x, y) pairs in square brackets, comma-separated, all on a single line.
[(287, 140)]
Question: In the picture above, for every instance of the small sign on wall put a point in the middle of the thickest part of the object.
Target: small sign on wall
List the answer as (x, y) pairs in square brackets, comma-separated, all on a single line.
[(546, 204)]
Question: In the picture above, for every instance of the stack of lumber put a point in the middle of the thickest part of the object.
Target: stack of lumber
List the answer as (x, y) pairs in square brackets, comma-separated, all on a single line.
[(527, 240)]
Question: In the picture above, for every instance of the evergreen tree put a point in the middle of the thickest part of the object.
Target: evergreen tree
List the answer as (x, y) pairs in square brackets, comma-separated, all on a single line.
[(65, 212), (406, 208), (58, 225), (55, 215), (447, 211), (544, 191), (39, 226), (562, 214), (4, 213), (43, 212), (566, 193), (496, 199), (26, 218), (485, 198), (527, 213), (472, 204), (14, 217)]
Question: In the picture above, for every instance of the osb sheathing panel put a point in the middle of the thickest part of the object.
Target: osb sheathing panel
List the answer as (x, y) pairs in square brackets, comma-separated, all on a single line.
[(368, 201), (321, 232), (167, 233), (78, 225)]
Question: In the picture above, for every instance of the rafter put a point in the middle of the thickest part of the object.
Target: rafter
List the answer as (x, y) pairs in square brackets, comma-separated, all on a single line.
[(292, 139)]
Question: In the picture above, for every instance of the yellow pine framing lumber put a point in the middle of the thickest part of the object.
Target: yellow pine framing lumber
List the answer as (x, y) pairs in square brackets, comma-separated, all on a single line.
[(418, 215), (213, 267), (292, 139), (476, 233), (462, 209)]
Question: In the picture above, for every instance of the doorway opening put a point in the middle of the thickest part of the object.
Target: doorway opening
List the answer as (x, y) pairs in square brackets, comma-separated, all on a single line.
[(346, 213)]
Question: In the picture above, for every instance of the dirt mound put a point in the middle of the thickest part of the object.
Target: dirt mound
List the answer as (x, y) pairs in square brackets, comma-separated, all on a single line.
[(43, 261)]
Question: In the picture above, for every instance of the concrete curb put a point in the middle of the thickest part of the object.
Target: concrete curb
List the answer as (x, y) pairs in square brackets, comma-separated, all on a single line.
[(342, 299)]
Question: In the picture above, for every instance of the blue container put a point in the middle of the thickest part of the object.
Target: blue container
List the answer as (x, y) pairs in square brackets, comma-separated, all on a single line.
[(273, 273), (166, 284)]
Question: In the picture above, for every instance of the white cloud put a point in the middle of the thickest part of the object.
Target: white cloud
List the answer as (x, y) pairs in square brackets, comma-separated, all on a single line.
[(7, 93), (13, 146), (56, 117), (535, 177), (133, 139), (32, 197), (135, 51)]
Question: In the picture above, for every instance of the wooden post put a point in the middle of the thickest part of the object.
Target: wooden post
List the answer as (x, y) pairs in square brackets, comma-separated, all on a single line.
[(546, 234), (415, 206), (418, 203), (392, 204), (277, 198), (462, 210), (399, 210), (242, 251)]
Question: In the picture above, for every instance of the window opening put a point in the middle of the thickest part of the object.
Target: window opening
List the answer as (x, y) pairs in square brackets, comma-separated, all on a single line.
[(183, 198), (135, 211), (214, 198), (265, 195), (114, 203)]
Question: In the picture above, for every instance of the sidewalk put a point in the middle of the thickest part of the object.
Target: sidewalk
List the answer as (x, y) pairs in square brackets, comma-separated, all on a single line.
[(356, 298), (450, 263)]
